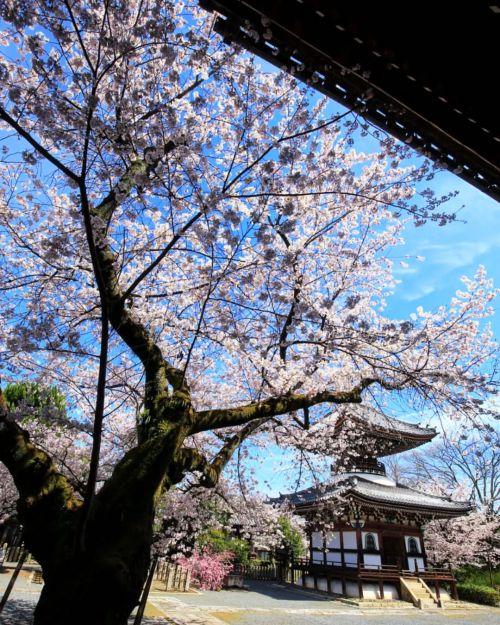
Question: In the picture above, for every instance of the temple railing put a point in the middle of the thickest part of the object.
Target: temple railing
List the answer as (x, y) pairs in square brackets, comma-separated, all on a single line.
[(431, 573), (370, 571), (378, 570)]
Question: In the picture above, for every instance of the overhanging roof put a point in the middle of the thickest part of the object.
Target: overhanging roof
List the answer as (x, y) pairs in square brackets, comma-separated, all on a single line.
[(379, 434), (423, 71), (376, 496)]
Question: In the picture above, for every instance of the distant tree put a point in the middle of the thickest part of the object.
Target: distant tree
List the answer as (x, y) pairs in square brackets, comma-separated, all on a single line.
[(293, 539), (464, 461), (470, 540), (464, 465), (222, 519)]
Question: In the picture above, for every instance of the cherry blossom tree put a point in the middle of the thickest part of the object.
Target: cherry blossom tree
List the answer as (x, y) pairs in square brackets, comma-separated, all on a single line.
[(193, 251), (462, 459), (8, 495), (471, 540), (208, 569), (462, 465), (186, 514), (41, 412)]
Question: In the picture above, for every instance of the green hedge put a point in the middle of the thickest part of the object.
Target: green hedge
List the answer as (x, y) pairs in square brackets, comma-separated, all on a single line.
[(478, 594)]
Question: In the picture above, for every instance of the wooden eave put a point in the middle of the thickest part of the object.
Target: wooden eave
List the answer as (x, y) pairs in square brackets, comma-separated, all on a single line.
[(424, 72)]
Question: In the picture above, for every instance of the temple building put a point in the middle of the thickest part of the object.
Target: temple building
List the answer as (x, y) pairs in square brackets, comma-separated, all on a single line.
[(365, 536)]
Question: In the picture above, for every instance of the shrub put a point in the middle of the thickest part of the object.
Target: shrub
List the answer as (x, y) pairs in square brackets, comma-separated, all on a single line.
[(219, 541), (478, 576), (478, 594), (208, 569)]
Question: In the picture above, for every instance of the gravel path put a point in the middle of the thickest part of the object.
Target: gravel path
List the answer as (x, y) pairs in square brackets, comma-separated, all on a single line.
[(416, 618), (264, 603), (261, 595)]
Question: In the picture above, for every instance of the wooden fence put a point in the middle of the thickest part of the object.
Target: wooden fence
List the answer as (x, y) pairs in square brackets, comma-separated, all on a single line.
[(261, 572), (174, 576), (12, 553)]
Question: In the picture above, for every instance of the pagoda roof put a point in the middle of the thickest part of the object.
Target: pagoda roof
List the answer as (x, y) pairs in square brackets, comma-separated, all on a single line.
[(379, 420), (370, 494), (386, 435)]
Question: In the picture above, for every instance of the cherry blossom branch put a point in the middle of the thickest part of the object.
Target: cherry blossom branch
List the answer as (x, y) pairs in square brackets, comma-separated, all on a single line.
[(79, 36), (228, 185), (314, 194), (178, 235), (38, 146)]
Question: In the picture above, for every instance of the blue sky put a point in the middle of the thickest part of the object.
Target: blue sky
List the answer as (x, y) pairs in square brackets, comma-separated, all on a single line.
[(451, 251)]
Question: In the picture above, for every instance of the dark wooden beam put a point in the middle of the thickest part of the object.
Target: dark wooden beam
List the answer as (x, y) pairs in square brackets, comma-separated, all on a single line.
[(424, 72)]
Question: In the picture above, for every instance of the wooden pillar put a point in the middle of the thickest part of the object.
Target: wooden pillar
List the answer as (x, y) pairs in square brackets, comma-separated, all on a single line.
[(381, 587), (422, 549), (438, 593), (360, 584), (342, 557), (344, 586), (359, 545), (453, 584), (454, 592), (168, 581)]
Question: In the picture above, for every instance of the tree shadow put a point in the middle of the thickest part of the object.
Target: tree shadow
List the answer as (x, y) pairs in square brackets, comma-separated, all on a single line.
[(17, 612), (21, 612), (285, 592)]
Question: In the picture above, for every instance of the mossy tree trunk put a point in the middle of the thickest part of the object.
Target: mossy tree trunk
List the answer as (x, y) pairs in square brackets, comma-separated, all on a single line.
[(100, 583)]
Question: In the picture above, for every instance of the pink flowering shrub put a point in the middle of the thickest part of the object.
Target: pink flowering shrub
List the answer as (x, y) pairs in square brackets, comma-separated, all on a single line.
[(208, 569)]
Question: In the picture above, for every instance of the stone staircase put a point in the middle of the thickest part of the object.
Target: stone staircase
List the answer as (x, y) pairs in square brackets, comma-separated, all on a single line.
[(417, 592)]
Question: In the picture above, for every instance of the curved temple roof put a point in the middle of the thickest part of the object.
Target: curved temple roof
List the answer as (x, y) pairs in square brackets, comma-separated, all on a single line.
[(374, 495), (382, 434), (375, 420)]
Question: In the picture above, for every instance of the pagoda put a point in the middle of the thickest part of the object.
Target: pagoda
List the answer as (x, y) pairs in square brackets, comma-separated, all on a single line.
[(373, 546)]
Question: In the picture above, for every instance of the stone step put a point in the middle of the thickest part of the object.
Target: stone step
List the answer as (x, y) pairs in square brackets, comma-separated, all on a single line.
[(428, 604)]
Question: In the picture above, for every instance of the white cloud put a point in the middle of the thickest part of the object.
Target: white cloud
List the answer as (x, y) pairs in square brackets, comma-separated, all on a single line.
[(418, 292)]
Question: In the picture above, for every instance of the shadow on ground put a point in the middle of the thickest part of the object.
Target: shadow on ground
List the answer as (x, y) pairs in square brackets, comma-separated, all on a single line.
[(282, 592), (17, 612), (20, 612)]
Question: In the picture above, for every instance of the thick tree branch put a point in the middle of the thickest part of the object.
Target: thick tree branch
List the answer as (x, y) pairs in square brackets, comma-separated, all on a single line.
[(274, 406), (193, 460), (221, 418), (158, 372)]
